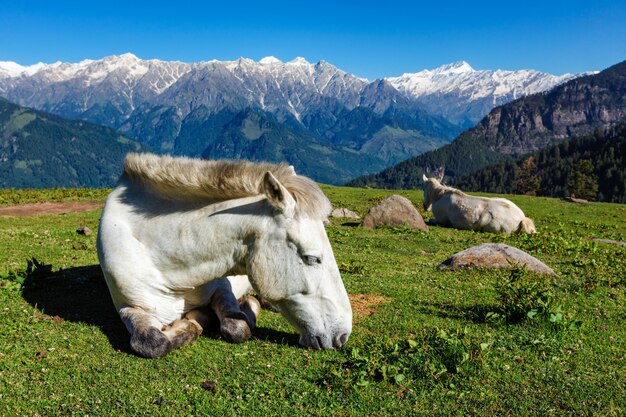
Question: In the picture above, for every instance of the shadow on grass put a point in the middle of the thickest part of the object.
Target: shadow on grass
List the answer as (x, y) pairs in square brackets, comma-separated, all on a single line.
[(275, 336), (475, 314), (80, 295)]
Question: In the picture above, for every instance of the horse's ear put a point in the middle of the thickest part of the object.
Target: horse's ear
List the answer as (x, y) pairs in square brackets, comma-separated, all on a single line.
[(277, 195), (292, 170), (441, 172), (424, 177)]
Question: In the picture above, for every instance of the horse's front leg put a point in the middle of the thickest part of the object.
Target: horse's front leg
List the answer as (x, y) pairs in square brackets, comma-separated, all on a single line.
[(150, 339), (237, 319)]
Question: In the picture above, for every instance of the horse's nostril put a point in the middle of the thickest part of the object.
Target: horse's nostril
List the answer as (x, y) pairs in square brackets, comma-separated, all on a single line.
[(318, 341), (341, 340)]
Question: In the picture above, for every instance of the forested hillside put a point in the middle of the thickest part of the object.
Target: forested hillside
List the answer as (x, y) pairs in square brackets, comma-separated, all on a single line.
[(592, 166), (464, 155), (41, 150)]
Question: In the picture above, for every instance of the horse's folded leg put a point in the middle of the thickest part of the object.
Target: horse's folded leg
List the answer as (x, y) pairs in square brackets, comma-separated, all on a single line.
[(182, 332), (234, 325), (251, 307), (237, 327), (204, 318), (149, 339)]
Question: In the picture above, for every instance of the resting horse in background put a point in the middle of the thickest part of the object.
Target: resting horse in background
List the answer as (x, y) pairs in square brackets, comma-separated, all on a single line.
[(454, 208), (173, 227)]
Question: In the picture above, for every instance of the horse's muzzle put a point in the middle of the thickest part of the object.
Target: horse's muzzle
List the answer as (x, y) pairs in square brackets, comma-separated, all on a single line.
[(324, 342)]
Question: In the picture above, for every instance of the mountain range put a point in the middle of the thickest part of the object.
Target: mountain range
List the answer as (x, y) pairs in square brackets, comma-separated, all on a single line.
[(329, 124), (575, 108)]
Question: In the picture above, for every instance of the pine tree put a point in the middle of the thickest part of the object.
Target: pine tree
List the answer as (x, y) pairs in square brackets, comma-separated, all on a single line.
[(527, 181), (584, 182)]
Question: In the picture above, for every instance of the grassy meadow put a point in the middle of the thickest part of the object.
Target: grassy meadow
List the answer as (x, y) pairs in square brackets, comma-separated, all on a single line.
[(424, 342)]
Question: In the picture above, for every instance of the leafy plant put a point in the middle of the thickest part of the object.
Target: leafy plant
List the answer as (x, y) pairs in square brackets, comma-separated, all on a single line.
[(352, 267), (523, 296), (435, 354), (14, 280), (520, 293)]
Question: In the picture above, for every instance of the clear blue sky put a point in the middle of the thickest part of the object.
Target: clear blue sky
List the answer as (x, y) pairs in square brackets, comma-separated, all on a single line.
[(369, 39)]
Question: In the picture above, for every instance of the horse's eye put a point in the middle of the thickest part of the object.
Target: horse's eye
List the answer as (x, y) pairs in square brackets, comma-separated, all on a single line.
[(311, 260)]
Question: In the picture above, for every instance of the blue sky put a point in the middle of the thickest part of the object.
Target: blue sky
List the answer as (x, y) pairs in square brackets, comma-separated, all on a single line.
[(369, 39)]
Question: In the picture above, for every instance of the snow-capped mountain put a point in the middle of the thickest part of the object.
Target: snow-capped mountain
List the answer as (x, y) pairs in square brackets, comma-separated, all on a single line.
[(267, 109), (455, 91), (464, 95), (126, 81)]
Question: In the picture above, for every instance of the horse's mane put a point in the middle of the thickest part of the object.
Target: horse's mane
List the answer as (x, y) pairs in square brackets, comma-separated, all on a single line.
[(197, 179), (439, 189)]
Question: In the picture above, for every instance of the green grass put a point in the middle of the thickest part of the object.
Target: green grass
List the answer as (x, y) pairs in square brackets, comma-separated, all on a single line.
[(432, 348), (11, 196)]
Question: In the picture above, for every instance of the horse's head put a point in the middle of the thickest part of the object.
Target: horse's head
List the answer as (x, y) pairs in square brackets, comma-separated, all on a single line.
[(429, 183), (291, 264)]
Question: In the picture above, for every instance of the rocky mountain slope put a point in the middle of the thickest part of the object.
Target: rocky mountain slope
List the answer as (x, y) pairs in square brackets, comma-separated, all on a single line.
[(577, 107)]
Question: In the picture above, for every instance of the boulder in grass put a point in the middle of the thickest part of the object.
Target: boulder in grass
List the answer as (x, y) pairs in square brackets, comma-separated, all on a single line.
[(495, 255), (394, 211), (344, 213)]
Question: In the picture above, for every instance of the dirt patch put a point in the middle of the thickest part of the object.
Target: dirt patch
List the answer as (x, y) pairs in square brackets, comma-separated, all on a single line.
[(364, 305), (42, 209)]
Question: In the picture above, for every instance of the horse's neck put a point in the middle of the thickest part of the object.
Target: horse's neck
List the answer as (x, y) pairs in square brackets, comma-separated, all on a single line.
[(209, 234), (438, 191)]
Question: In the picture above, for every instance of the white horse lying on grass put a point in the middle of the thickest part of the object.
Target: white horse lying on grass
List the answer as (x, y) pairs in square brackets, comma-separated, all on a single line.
[(454, 208), (174, 226)]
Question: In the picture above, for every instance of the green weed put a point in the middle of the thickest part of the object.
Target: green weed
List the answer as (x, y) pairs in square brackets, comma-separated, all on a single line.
[(435, 354), (15, 280)]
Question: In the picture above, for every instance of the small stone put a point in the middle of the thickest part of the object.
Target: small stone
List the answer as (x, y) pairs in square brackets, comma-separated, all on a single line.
[(573, 199), (84, 230), (610, 242), (344, 213)]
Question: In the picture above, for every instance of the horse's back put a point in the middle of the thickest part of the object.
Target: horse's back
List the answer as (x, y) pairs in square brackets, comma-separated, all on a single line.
[(467, 212)]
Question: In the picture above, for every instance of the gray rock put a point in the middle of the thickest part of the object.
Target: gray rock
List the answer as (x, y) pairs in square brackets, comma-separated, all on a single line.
[(495, 255), (610, 242), (394, 211), (344, 212), (84, 230), (573, 199)]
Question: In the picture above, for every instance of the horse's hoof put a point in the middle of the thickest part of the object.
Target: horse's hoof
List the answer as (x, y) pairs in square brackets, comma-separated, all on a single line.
[(235, 330)]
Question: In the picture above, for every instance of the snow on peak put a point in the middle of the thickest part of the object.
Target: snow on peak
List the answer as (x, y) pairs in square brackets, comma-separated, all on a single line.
[(127, 57), (299, 61), (460, 78), (455, 68), (270, 60), (13, 69)]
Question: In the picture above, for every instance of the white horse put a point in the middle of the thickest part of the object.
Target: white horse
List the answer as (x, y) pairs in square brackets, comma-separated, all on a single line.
[(174, 226), (454, 208)]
